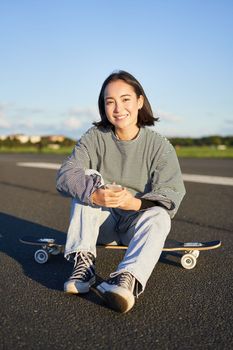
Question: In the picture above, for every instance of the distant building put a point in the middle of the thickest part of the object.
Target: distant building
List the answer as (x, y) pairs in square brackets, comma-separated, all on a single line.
[(25, 138), (22, 138), (35, 139), (55, 138), (3, 137)]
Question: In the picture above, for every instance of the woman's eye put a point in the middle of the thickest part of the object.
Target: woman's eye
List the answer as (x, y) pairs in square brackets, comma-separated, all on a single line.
[(108, 103), (126, 99)]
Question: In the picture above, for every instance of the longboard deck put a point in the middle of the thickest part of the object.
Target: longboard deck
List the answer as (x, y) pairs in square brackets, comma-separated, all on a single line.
[(53, 246), (43, 241), (170, 245)]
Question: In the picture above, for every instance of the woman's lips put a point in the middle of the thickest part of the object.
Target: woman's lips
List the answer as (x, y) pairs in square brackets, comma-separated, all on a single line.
[(120, 117)]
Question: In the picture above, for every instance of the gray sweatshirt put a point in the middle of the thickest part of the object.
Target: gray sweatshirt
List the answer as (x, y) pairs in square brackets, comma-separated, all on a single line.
[(147, 166)]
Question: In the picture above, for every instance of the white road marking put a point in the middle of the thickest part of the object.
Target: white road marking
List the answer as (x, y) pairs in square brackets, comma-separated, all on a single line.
[(40, 165), (206, 179), (214, 180)]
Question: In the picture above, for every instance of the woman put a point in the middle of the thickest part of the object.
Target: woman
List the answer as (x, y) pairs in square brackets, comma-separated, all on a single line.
[(120, 150)]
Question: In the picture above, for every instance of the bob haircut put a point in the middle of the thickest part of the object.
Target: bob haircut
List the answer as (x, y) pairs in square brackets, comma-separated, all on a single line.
[(145, 114)]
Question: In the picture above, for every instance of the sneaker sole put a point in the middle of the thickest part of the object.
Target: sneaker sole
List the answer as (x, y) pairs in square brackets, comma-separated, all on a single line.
[(76, 287), (117, 302)]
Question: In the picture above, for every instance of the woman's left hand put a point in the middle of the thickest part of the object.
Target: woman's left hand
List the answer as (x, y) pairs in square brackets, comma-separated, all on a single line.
[(129, 202)]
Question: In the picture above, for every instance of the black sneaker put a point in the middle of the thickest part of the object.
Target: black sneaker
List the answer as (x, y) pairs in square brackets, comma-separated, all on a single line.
[(83, 275), (118, 292)]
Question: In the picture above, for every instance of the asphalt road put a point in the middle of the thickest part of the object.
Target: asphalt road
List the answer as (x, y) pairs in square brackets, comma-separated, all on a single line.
[(180, 309)]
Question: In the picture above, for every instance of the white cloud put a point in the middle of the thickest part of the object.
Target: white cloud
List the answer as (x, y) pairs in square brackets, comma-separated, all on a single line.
[(28, 120), (27, 123), (4, 123), (228, 121), (86, 113), (80, 118), (17, 119), (72, 123), (169, 117), (5, 106), (29, 110)]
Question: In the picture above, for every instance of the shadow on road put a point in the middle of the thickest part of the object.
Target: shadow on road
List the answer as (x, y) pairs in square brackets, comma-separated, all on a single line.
[(53, 273)]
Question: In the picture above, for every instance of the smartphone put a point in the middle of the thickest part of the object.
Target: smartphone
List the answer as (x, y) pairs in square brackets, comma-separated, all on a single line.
[(114, 187)]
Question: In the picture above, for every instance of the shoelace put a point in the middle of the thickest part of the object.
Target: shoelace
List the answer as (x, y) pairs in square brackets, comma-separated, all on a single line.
[(124, 280), (82, 266)]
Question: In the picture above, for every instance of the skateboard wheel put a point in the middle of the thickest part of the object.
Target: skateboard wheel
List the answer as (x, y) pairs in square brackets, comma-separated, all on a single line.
[(41, 256), (188, 261)]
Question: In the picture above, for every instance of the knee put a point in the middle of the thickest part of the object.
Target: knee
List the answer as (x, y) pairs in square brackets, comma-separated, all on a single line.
[(165, 219), (160, 218)]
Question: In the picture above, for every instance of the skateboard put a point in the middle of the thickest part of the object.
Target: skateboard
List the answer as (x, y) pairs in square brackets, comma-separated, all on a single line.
[(51, 246), (48, 246)]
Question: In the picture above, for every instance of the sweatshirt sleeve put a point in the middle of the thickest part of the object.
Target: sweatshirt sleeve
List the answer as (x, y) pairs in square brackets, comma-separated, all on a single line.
[(167, 183), (72, 180)]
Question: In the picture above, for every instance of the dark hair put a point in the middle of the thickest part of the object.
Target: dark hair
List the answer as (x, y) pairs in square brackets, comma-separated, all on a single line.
[(145, 114)]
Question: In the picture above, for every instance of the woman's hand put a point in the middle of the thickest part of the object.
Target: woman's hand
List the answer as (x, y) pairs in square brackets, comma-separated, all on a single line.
[(122, 199), (129, 202)]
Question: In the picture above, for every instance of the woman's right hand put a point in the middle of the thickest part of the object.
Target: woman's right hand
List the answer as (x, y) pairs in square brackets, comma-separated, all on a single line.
[(105, 197)]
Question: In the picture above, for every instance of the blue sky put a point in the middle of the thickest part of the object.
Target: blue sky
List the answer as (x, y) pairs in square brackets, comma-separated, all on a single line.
[(55, 55)]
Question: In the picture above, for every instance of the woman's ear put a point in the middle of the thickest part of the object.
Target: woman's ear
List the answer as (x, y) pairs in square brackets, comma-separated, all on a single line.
[(140, 102)]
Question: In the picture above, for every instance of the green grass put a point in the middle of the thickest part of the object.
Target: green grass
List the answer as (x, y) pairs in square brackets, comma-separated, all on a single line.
[(34, 150), (204, 152), (188, 152)]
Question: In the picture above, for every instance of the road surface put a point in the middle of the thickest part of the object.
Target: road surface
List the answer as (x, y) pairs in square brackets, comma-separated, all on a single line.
[(180, 309)]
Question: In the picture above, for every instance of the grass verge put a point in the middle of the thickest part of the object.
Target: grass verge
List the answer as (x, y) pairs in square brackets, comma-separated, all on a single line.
[(182, 152), (204, 152)]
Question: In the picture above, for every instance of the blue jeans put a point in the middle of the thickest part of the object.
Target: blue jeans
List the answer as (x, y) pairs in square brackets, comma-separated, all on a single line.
[(145, 237), (144, 233)]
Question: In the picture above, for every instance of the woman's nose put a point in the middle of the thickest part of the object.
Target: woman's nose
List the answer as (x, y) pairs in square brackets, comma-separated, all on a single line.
[(118, 108)]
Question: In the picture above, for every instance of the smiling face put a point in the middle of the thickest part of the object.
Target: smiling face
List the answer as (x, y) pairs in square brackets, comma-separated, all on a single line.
[(122, 105)]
